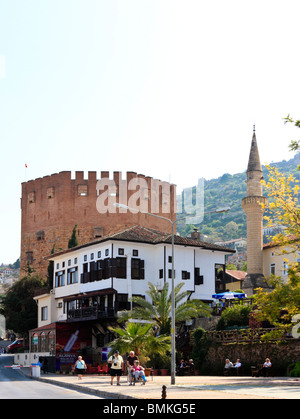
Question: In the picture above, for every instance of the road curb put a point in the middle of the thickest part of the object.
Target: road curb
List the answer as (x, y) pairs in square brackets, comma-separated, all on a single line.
[(87, 390)]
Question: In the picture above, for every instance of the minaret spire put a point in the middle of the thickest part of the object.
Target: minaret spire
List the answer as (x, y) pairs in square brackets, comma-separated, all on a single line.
[(254, 206), (254, 160)]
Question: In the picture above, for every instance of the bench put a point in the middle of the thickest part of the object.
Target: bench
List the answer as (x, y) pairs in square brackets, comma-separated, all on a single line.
[(255, 370)]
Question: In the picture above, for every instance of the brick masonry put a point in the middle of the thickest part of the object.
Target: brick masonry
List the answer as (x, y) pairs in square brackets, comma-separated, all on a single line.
[(52, 205)]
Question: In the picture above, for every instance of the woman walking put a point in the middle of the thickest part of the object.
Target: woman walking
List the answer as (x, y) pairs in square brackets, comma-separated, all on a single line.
[(80, 367)]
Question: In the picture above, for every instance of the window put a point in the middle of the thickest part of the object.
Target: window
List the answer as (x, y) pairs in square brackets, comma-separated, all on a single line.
[(60, 279), (122, 302), (85, 258), (198, 277), (137, 269), (72, 276), (50, 193), (170, 259), (135, 252), (272, 269), (106, 252), (75, 261), (161, 273), (43, 337), (98, 232), (121, 265), (121, 252), (51, 340), (69, 262), (170, 273), (106, 268), (35, 342), (40, 235), (31, 197), (92, 256), (185, 275), (29, 258), (85, 276), (44, 313), (99, 254), (82, 190)]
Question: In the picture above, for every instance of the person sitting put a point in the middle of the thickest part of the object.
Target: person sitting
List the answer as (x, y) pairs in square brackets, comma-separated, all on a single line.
[(182, 367), (265, 368), (227, 367), (191, 367), (138, 372), (237, 366)]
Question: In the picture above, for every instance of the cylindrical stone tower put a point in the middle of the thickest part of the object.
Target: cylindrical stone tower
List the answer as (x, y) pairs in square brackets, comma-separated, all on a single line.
[(254, 205)]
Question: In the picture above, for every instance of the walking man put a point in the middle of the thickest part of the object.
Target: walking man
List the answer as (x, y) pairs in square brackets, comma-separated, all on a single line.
[(117, 363)]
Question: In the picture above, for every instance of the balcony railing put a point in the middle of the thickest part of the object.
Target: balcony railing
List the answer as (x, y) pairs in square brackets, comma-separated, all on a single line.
[(90, 313)]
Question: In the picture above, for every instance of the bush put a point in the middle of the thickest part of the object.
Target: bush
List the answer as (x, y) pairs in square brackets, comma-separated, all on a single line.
[(295, 371), (237, 315)]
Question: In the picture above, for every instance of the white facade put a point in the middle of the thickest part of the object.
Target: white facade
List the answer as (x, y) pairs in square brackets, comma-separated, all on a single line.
[(194, 264)]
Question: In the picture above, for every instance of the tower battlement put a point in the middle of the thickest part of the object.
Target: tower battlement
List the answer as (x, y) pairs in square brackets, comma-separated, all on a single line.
[(53, 204)]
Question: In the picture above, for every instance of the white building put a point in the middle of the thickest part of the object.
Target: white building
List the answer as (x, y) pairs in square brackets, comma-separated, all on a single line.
[(94, 281)]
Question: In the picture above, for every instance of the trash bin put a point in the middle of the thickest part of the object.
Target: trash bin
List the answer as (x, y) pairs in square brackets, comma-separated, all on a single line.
[(36, 370)]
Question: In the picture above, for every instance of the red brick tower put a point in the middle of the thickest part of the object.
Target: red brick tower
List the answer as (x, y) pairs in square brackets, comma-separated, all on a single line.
[(52, 205)]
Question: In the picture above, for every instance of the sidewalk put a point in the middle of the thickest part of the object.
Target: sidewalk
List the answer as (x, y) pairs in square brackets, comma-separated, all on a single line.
[(185, 388)]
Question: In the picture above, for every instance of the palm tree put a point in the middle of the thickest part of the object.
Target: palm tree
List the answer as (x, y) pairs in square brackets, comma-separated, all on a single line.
[(138, 337), (158, 312)]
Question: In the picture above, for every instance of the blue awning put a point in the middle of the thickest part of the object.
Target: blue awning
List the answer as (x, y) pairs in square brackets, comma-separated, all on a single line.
[(229, 295)]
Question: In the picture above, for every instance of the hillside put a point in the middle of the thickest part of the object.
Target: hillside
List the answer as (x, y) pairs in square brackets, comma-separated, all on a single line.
[(228, 191)]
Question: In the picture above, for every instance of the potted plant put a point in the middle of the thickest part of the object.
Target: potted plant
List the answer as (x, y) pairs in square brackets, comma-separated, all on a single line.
[(164, 371), (162, 363)]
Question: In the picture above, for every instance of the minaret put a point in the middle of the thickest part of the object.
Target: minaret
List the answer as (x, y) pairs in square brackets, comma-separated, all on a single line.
[(254, 205)]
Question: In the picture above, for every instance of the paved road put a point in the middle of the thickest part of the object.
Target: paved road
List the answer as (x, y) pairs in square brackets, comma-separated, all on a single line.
[(14, 385)]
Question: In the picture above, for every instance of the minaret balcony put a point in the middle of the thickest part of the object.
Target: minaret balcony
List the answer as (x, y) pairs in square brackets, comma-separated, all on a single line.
[(254, 202)]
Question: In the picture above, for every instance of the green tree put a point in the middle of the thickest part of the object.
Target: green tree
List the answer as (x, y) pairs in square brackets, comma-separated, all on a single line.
[(158, 310), (281, 304), (139, 338), (295, 144), (73, 241), (283, 208), (18, 305), (235, 316)]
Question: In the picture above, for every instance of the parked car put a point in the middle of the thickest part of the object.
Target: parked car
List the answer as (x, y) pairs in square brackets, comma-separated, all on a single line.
[(17, 344)]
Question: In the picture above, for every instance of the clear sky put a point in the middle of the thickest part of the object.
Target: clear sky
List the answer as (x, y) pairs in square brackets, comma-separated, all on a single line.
[(166, 88)]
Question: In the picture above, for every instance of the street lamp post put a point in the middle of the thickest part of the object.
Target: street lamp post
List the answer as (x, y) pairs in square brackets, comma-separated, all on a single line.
[(173, 345)]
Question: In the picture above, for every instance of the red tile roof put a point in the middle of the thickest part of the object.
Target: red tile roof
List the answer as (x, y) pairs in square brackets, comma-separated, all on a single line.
[(140, 234), (238, 275)]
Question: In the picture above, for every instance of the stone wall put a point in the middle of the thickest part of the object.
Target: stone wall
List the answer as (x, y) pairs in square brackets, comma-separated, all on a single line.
[(280, 354)]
